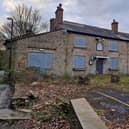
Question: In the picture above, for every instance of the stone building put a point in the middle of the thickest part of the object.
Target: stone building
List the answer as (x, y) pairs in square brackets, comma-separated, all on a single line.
[(74, 48)]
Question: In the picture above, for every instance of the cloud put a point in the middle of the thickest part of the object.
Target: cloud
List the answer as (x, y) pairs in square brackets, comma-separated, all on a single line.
[(9, 5), (98, 13), (92, 12)]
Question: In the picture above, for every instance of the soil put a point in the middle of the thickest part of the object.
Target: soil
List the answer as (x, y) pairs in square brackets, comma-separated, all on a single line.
[(59, 92)]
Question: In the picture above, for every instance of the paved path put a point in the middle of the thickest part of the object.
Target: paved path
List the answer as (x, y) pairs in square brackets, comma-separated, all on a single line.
[(5, 112), (8, 114), (4, 96), (86, 115)]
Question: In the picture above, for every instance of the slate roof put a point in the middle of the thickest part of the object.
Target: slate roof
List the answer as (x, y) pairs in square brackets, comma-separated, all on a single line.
[(94, 31)]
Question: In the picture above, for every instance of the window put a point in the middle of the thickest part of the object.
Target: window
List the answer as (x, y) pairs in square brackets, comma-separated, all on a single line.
[(113, 46), (79, 62), (40, 60), (113, 63), (80, 42), (99, 46)]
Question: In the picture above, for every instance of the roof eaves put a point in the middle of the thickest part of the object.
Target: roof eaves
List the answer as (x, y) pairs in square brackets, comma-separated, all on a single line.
[(107, 37)]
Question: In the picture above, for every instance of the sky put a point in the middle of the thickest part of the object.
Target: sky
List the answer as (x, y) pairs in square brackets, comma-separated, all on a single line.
[(91, 12)]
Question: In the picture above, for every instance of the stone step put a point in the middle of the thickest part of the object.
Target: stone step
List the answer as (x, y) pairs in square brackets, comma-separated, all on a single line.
[(8, 114), (86, 115)]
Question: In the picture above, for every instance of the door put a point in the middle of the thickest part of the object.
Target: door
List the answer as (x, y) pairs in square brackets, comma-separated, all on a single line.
[(99, 66)]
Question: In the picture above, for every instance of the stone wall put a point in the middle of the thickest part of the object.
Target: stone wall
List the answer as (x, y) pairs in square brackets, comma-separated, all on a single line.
[(61, 44), (53, 42), (90, 50)]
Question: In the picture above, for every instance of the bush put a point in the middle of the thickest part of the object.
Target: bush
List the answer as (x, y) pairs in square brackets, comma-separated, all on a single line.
[(115, 78), (84, 80)]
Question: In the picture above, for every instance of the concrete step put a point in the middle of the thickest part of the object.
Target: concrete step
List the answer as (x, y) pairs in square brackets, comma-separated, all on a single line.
[(8, 114), (86, 115)]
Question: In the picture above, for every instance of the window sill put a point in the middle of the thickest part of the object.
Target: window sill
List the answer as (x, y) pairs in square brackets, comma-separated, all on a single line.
[(79, 47), (115, 70), (113, 50), (99, 50), (79, 69), (47, 68)]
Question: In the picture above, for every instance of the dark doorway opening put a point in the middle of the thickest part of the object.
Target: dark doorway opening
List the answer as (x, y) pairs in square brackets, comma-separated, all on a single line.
[(99, 66)]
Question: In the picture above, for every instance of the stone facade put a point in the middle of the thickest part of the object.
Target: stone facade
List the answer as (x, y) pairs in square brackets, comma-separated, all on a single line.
[(90, 50), (61, 44), (53, 42)]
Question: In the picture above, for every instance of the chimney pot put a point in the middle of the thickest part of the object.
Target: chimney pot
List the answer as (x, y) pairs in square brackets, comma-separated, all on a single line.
[(114, 20), (60, 5)]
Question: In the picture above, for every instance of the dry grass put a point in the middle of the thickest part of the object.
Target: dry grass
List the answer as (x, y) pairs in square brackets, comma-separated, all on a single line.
[(53, 91)]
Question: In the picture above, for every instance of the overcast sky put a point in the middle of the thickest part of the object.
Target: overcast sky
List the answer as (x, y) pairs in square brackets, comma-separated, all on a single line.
[(92, 12)]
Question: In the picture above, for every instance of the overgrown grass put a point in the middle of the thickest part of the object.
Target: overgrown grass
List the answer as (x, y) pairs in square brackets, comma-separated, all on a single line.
[(103, 81)]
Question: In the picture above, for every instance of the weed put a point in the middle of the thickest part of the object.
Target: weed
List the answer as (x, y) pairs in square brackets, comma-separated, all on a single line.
[(42, 116)]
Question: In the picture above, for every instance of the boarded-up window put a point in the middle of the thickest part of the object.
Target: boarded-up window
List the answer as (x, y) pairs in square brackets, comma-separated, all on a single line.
[(80, 42), (114, 63), (79, 62), (40, 60), (113, 46)]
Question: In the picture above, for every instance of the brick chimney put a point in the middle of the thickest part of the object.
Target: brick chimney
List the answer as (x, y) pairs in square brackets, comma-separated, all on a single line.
[(59, 15), (58, 20), (114, 26)]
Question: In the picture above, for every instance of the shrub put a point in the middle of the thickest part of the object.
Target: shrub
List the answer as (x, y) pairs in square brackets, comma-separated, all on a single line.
[(115, 78)]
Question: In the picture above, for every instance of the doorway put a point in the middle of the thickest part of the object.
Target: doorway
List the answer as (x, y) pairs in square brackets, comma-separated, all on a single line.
[(99, 66)]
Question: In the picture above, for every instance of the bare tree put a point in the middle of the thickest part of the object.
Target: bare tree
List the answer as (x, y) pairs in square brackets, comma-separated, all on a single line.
[(26, 21)]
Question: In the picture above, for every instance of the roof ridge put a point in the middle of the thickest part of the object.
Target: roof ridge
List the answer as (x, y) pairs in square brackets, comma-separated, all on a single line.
[(87, 25), (71, 22), (94, 30)]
